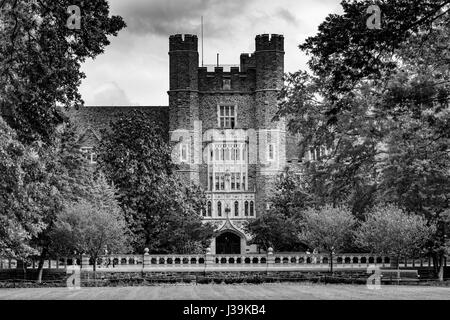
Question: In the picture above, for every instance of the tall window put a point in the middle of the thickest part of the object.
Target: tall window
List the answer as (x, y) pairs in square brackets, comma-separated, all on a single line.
[(236, 209), (252, 209), (233, 181), (227, 117), (219, 209), (271, 152), (209, 209), (217, 181), (246, 208)]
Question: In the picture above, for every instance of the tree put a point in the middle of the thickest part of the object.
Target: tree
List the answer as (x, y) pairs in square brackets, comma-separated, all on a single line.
[(364, 85), (392, 231), (20, 214), (163, 214), (277, 228), (327, 228), (346, 53), (90, 226), (379, 101), (61, 175), (40, 60), (273, 230)]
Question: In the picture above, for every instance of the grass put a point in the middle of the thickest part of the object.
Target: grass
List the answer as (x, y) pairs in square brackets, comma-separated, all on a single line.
[(270, 291)]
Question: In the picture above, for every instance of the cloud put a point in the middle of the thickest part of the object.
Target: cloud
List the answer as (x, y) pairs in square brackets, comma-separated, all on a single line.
[(166, 17), (287, 16), (109, 94)]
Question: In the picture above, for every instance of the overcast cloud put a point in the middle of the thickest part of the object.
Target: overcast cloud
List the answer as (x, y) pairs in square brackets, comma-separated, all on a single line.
[(134, 68)]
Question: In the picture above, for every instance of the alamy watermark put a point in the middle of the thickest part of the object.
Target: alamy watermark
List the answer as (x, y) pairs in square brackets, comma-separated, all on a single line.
[(74, 21), (374, 20), (374, 280), (74, 280)]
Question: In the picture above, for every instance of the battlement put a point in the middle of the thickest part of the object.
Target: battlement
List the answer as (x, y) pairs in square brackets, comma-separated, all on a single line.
[(238, 80), (269, 42), (185, 42)]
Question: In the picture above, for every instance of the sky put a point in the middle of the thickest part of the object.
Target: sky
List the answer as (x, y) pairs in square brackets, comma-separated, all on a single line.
[(134, 69)]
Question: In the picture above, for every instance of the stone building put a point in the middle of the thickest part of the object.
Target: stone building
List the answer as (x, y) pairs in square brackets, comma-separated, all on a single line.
[(220, 124)]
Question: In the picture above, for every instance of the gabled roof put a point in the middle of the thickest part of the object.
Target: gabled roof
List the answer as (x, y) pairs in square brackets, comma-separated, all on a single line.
[(89, 138), (98, 118)]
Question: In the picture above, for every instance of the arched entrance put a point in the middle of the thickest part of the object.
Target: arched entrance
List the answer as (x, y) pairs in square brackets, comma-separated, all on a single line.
[(228, 243)]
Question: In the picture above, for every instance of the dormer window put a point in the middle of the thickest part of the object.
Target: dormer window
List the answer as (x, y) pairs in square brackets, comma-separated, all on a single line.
[(227, 117), (226, 84)]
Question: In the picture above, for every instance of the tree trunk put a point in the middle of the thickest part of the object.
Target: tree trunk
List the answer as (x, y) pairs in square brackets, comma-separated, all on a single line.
[(42, 258), (436, 268), (441, 267), (331, 262), (24, 269), (40, 268)]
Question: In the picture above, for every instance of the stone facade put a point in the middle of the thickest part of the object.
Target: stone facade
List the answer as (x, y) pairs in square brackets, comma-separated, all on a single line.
[(223, 133), (220, 125)]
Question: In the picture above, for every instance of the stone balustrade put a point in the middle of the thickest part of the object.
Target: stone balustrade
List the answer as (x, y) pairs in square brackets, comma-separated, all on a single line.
[(202, 262)]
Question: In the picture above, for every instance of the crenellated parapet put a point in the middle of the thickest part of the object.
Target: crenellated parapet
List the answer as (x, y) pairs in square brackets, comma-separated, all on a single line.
[(179, 42), (233, 80), (273, 42)]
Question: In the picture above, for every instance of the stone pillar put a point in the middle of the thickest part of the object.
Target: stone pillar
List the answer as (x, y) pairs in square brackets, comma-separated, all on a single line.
[(209, 259), (147, 259), (270, 259)]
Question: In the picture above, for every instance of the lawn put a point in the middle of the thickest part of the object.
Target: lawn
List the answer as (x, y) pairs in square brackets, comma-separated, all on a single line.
[(285, 291)]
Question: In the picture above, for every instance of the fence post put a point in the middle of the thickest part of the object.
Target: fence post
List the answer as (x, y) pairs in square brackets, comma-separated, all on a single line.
[(147, 259), (270, 259)]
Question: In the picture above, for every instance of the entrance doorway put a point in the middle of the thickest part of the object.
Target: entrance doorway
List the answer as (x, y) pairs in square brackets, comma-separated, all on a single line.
[(228, 243)]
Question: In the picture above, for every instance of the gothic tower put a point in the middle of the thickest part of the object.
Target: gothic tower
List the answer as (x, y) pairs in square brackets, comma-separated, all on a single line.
[(183, 103), (269, 60)]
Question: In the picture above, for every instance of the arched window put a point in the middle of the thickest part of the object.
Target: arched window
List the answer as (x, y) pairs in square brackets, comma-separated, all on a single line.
[(236, 209), (217, 182), (219, 209), (252, 209), (246, 208), (217, 153), (209, 209), (227, 154), (243, 182)]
